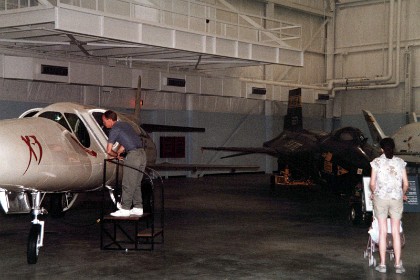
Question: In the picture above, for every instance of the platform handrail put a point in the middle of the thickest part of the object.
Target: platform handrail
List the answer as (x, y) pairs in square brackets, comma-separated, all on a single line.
[(149, 175)]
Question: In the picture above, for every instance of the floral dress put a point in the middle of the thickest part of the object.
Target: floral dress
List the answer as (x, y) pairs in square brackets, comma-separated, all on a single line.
[(389, 174)]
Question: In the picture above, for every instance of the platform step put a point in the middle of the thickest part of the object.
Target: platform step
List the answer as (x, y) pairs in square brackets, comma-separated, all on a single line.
[(129, 218), (147, 233)]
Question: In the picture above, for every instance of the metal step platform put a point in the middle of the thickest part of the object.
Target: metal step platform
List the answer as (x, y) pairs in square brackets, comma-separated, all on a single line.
[(133, 232), (130, 233)]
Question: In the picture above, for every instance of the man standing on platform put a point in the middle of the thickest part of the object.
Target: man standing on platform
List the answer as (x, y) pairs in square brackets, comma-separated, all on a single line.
[(132, 144)]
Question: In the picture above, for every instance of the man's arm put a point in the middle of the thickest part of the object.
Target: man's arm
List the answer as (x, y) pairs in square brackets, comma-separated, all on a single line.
[(110, 152), (120, 150)]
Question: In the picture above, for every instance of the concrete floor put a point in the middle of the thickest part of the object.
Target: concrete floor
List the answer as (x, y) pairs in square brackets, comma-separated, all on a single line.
[(216, 227)]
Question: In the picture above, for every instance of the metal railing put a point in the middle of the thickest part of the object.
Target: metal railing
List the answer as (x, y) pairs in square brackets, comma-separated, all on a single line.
[(151, 178), (7, 5), (188, 15)]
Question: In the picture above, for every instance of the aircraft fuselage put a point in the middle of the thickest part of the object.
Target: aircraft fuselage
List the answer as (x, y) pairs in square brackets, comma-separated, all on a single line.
[(60, 149)]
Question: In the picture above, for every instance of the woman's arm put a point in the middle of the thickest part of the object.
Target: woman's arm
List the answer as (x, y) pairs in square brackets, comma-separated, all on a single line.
[(404, 184), (372, 184)]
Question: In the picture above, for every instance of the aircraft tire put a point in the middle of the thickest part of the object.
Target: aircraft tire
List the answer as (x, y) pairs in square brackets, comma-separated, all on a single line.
[(147, 196), (356, 215), (272, 183), (367, 218), (32, 248)]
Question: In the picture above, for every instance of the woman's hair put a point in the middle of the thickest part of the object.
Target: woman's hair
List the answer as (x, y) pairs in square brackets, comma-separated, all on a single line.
[(388, 146)]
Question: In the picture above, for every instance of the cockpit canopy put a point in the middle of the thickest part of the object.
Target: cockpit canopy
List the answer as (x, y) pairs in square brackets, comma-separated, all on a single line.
[(350, 134)]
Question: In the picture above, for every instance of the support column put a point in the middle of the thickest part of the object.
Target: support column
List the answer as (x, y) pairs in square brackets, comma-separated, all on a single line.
[(189, 105), (268, 114)]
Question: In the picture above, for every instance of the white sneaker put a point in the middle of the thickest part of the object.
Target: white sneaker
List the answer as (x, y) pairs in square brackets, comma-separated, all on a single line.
[(136, 211), (121, 213), (119, 205), (399, 268), (381, 268)]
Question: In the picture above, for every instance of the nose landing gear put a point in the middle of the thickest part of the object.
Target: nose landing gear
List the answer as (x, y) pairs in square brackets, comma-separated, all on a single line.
[(36, 233)]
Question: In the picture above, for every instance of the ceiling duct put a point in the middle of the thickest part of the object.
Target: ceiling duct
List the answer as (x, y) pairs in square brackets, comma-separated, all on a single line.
[(54, 70), (259, 90), (175, 82)]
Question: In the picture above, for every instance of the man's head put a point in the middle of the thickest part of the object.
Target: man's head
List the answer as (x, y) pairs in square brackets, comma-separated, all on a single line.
[(109, 118)]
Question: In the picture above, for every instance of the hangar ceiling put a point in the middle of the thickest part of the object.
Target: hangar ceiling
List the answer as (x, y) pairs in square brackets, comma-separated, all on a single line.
[(69, 32)]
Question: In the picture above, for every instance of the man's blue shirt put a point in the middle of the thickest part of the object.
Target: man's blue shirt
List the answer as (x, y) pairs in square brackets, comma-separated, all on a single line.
[(125, 134)]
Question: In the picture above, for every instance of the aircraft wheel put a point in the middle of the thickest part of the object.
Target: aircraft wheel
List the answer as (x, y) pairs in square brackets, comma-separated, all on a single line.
[(372, 261), (147, 195), (355, 213), (272, 183), (367, 218), (33, 241), (115, 197)]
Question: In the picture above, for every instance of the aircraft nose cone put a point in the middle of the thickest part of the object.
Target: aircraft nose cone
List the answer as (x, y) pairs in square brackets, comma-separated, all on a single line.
[(21, 150)]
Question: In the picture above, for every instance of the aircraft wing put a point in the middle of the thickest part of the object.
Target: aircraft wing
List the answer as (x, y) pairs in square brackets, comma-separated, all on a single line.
[(412, 158), (170, 128), (243, 150), (287, 144), (201, 167), (295, 149)]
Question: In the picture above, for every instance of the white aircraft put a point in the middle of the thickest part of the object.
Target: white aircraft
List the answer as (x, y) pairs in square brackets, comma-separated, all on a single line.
[(407, 140), (60, 150)]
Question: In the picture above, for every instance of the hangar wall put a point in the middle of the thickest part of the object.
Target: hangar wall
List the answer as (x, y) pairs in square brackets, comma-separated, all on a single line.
[(312, 19), (230, 122), (362, 33), (354, 45), (351, 44)]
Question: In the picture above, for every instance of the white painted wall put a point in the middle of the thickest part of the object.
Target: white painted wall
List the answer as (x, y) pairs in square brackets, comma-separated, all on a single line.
[(360, 50)]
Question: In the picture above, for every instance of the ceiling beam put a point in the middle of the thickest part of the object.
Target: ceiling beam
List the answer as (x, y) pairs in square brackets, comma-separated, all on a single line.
[(301, 8), (45, 3)]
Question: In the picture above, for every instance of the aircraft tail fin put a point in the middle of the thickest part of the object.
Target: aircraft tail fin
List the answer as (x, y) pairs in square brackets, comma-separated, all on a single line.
[(375, 130), (137, 106), (412, 118), (293, 119)]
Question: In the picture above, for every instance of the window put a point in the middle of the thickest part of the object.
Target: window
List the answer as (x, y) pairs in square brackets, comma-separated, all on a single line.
[(79, 129), (76, 125), (98, 119), (57, 117), (172, 147)]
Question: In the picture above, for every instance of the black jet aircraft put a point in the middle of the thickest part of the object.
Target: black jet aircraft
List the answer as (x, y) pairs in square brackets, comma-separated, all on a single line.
[(338, 159)]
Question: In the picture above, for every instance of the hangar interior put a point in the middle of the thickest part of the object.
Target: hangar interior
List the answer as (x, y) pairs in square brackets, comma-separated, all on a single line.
[(225, 65)]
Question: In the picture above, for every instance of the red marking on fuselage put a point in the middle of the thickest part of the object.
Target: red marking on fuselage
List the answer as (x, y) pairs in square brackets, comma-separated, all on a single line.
[(88, 151), (30, 140), (91, 152)]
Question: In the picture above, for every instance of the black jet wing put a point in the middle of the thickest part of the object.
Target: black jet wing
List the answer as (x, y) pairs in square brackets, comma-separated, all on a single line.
[(298, 150), (165, 166), (169, 128), (241, 151), (287, 144)]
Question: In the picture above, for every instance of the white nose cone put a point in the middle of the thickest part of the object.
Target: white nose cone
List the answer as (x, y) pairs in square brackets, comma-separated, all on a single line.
[(23, 151)]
